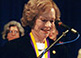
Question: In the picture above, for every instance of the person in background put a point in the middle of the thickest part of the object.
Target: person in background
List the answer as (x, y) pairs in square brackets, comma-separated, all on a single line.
[(40, 16), (53, 33), (12, 30)]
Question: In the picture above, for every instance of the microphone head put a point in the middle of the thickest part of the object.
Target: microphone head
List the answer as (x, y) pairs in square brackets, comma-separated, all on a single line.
[(58, 23)]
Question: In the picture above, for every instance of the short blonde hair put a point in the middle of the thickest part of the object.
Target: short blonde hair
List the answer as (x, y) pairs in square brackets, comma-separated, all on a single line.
[(34, 8), (7, 26)]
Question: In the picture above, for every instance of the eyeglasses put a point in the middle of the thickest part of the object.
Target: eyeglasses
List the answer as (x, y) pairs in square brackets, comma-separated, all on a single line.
[(13, 31)]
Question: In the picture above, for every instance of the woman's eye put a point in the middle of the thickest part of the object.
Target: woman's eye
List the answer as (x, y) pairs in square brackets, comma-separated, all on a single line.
[(51, 21), (15, 32), (44, 20), (10, 31)]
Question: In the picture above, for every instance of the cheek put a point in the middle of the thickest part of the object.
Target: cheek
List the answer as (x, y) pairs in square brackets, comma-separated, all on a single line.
[(8, 35), (17, 35), (39, 25)]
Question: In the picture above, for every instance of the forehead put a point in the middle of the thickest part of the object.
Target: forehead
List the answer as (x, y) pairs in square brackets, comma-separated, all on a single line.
[(50, 14), (13, 28)]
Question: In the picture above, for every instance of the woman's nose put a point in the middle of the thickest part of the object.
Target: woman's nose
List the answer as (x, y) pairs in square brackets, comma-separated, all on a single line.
[(13, 33), (48, 24)]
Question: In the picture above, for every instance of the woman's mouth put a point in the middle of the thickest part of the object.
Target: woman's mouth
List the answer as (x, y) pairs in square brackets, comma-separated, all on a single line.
[(45, 30)]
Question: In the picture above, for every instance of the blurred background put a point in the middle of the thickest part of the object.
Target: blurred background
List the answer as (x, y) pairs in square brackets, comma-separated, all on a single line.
[(70, 15)]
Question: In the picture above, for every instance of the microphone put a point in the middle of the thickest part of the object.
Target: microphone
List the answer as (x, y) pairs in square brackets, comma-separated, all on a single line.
[(59, 23)]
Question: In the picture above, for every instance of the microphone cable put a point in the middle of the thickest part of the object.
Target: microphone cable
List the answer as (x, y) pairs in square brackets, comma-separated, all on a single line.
[(70, 41), (54, 43)]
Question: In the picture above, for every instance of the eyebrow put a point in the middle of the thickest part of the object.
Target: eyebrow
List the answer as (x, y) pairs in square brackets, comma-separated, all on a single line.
[(42, 18)]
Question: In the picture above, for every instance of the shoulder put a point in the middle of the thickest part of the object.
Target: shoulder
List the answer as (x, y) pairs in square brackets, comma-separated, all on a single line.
[(18, 42), (59, 51), (20, 48)]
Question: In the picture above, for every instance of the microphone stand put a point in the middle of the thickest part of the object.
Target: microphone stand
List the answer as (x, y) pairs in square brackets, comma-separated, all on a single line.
[(52, 44)]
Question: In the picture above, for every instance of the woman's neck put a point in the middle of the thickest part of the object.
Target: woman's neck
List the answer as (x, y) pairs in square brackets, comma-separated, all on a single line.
[(37, 37)]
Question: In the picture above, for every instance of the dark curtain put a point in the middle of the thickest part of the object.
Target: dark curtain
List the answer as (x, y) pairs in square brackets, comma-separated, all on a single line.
[(70, 15)]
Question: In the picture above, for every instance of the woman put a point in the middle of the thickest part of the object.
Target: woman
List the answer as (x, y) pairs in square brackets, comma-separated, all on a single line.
[(40, 16)]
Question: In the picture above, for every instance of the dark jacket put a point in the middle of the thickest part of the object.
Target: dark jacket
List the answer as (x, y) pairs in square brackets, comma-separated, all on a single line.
[(22, 48)]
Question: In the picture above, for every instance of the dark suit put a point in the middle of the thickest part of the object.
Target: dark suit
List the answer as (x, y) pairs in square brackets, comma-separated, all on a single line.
[(22, 48)]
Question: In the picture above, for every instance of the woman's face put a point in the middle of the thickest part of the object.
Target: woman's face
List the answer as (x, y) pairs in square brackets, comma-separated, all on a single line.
[(43, 23), (13, 33)]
